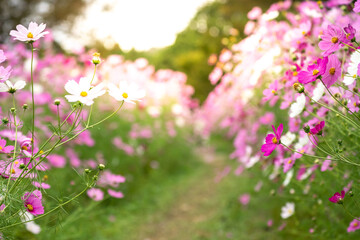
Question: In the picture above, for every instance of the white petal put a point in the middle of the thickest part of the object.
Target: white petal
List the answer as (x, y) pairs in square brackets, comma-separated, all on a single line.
[(72, 87), (20, 84)]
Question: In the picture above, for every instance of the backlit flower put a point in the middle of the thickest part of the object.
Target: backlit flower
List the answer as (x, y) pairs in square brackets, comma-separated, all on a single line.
[(83, 91), (331, 40), (10, 88), (126, 92), (30, 34), (333, 71), (353, 70), (313, 71)]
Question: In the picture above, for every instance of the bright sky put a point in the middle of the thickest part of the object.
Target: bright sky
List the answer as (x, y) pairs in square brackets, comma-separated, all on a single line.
[(139, 24)]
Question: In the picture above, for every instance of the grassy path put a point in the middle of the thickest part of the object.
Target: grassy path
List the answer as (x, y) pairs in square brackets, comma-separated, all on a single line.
[(192, 206)]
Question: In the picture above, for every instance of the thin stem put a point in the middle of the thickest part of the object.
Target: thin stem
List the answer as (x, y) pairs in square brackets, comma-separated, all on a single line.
[(33, 101)]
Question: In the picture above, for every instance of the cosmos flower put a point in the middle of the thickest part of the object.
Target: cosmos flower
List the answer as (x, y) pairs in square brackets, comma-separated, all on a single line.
[(288, 210), (297, 107), (354, 225), (10, 88), (32, 202), (337, 197), (4, 148), (271, 140), (331, 40), (353, 70), (333, 71), (126, 92), (115, 194), (83, 91), (313, 71), (96, 194), (30, 34), (318, 128)]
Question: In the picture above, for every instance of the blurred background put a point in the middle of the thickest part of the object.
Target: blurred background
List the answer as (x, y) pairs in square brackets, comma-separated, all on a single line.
[(180, 35)]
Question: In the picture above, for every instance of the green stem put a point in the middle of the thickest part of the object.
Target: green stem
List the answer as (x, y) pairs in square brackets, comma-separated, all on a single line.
[(33, 101)]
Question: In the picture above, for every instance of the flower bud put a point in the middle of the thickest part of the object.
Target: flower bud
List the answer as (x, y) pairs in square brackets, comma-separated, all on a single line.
[(5, 120), (13, 110), (298, 87), (57, 102), (87, 171), (22, 166), (337, 95), (306, 129), (356, 89), (95, 178), (101, 167), (25, 106), (317, 161), (96, 58), (272, 192), (293, 68), (351, 194), (339, 142)]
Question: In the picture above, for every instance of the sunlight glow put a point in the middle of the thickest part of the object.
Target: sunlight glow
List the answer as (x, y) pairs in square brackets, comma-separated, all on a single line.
[(139, 24)]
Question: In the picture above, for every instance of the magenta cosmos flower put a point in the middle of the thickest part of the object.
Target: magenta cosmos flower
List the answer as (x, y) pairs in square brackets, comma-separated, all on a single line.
[(357, 6), (332, 72), (354, 225), (313, 71), (4, 148), (331, 40), (338, 198), (271, 140), (318, 128), (31, 34), (32, 202)]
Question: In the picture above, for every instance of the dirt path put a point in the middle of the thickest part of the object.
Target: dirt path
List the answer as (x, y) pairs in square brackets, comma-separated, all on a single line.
[(193, 206)]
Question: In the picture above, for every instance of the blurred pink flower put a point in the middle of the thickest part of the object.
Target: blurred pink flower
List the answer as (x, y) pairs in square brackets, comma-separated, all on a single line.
[(115, 194), (95, 194), (244, 199)]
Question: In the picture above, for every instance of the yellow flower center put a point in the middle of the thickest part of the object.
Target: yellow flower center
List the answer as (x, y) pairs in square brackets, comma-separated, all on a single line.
[(315, 72), (30, 35), (334, 39), (355, 224), (273, 91), (290, 161), (295, 74), (354, 104), (83, 94), (0, 148), (45, 177), (354, 76), (24, 148), (332, 71), (125, 95), (41, 151), (12, 171), (16, 162), (96, 54), (347, 35), (302, 151), (30, 207), (274, 140)]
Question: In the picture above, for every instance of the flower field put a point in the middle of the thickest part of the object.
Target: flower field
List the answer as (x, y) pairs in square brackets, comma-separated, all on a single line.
[(102, 147)]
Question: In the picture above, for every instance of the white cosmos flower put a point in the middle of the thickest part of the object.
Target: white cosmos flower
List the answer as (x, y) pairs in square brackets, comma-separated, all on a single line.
[(9, 87), (126, 92), (288, 138), (318, 92), (352, 69), (288, 177), (30, 226), (83, 91), (288, 210), (297, 107)]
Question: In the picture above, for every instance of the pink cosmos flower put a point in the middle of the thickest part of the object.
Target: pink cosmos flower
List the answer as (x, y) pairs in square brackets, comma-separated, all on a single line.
[(5, 73), (30, 34), (337, 197), (349, 32), (357, 6), (271, 140), (313, 71), (244, 199), (331, 40), (354, 225), (32, 202), (254, 13), (96, 194), (41, 185), (333, 71), (2, 56), (271, 94), (57, 161), (115, 194), (4, 148), (318, 128)]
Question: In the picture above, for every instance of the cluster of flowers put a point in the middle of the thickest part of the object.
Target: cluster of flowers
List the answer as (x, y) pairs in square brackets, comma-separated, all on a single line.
[(310, 64)]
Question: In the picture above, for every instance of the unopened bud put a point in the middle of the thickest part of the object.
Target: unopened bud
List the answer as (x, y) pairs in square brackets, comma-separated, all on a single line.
[(317, 161), (351, 194), (87, 171), (293, 68), (5, 120), (95, 178), (13, 110), (96, 58), (337, 95), (356, 90), (101, 167), (339, 142), (25, 106), (298, 87), (57, 102), (306, 129), (22, 166)]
